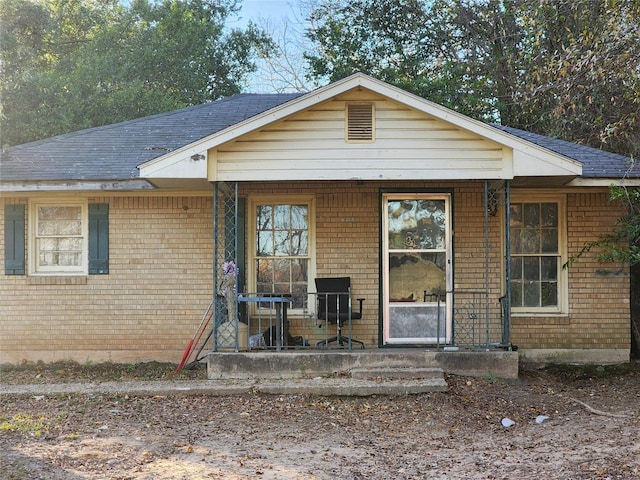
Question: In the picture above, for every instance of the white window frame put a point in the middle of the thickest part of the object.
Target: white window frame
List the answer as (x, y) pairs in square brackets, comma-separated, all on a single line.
[(531, 196), (253, 202), (34, 253)]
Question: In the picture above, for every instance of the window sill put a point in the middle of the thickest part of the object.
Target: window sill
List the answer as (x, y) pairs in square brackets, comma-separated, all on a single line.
[(58, 280)]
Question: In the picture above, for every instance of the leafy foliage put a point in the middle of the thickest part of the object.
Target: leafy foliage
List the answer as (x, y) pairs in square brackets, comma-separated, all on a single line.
[(72, 64), (565, 68), (395, 41)]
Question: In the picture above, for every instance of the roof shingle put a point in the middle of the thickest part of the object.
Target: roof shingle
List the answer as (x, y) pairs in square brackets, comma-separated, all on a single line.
[(595, 163), (114, 152)]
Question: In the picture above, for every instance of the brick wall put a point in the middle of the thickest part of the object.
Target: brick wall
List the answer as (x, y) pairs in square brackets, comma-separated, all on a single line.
[(147, 307), (599, 309), (159, 284)]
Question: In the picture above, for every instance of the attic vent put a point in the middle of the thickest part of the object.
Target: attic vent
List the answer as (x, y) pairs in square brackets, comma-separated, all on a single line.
[(360, 122)]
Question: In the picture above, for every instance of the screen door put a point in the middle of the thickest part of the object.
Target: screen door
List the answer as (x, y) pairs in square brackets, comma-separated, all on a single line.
[(416, 268)]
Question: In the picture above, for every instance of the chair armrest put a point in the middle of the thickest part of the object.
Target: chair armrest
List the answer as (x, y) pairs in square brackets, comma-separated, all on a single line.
[(360, 300)]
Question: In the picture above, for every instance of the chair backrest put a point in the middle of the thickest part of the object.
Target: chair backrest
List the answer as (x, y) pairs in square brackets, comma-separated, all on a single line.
[(332, 307)]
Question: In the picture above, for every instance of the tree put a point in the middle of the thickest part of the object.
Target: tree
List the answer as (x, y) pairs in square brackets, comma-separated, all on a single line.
[(565, 68), (281, 69), (394, 41), (586, 83), (72, 64)]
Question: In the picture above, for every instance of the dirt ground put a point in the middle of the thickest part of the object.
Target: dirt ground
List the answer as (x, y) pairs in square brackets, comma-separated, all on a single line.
[(592, 430)]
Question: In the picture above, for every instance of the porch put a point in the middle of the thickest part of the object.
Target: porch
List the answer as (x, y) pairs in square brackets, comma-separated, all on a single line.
[(398, 371)]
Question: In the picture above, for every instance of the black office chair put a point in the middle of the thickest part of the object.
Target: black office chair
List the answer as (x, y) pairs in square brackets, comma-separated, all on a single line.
[(334, 306)]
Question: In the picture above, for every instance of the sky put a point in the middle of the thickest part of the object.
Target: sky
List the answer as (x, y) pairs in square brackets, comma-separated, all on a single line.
[(274, 9), (272, 15)]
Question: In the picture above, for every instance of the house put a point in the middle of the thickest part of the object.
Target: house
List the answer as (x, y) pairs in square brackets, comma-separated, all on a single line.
[(454, 232)]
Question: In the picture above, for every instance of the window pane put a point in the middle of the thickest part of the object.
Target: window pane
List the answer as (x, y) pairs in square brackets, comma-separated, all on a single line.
[(531, 268), (265, 244), (549, 240), (281, 270), (516, 294), (516, 240), (549, 268), (59, 213), (60, 244), (281, 288), (549, 214), (530, 241), (516, 215), (281, 217), (549, 294), (299, 270), (299, 296), (413, 274), (416, 224), (516, 268), (299, 242), (59, 227), (531, 215), (531, 294), (299, 217), (264, 217), (282, 243), (431, 222), (265, 272)]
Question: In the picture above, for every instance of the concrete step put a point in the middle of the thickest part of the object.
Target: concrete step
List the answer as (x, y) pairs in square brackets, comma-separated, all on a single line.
[(260, 365), (397, 373), (322, 386), (350, 387)]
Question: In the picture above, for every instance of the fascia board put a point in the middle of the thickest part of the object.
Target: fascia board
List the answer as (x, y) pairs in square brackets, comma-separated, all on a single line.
[(75, 186), (604, 182)]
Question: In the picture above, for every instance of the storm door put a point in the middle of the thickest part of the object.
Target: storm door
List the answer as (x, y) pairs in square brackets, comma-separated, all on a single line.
[(416, 269)]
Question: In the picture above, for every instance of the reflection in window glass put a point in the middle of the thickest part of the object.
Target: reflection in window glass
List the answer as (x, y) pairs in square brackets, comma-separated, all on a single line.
[(535, 256), (416, 277), (416, 224), (282, 250), (417, 239), (59, 236)]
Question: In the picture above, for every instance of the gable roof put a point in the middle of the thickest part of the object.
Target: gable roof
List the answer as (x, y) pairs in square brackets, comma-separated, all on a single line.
[(109, 157), (519, 158)]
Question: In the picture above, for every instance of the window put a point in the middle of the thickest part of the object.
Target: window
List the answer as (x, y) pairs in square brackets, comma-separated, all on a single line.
[(537, 256), (282, 253), (59, 238), (65, 238)]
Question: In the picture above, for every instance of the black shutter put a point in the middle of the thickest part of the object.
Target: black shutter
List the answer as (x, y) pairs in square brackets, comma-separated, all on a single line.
[(98, 238), (14, 240)]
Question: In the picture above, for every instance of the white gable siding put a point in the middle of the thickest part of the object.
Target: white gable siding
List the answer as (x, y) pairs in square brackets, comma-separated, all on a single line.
[(311, 145)]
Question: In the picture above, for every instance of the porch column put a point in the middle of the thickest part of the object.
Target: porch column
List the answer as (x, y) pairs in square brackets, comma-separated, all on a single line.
[(225, 265), (506, 307)]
